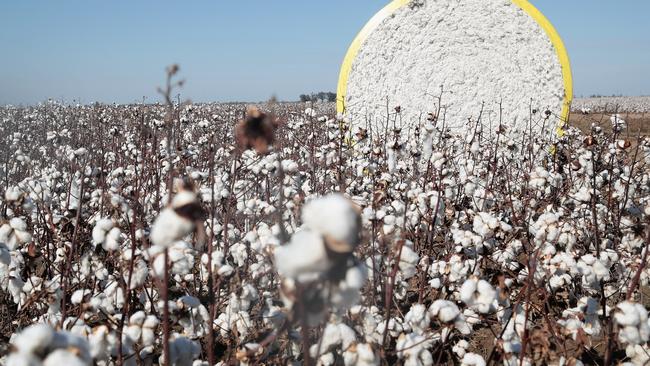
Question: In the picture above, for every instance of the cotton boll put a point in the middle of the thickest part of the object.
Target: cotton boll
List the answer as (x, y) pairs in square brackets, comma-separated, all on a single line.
[(169, 228), (22, 359), (417, 318), (63, 357), (13, 194), (113, 240), (304, 258), (479, 295), (633, 320), (414, 349), (98, 343), (445, 311), (336, 219), (18, 224), (34, 339), (408, 262), (100, 229), (347, 292), (472, 359), (460, 348), (361, 355), (182, 351)]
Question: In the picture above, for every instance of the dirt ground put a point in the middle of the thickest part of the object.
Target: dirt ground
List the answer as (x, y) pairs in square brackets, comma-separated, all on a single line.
[(636, 122)]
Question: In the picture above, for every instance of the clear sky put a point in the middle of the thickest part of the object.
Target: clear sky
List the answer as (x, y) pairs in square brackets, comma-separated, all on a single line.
[(248, 50)]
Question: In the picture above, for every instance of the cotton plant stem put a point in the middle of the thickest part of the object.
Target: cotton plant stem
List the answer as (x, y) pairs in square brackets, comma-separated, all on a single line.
[(165, 298), (389, 292)]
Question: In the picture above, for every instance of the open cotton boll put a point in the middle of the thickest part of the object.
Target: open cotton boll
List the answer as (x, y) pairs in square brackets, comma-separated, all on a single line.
[(304, 258), (100, 229), (417, 318), (169, 227), (632, 318), (182, 351), (472, 359), (62, 357), (408, 262), (18, 224), (22, 359), (336, 219), (113, 240), (445, 311), (347, 292), (13, 194), (34, 339), (460, 348), (361, 355), (479, 295), (414, 349)]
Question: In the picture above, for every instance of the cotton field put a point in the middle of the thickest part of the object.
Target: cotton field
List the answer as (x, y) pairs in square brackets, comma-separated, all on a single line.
[(224, 234)]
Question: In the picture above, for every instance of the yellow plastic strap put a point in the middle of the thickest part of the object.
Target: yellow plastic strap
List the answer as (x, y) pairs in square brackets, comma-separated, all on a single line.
[(526, 6)]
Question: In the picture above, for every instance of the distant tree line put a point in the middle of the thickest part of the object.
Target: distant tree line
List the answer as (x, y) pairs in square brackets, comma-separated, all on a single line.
[(321, 96)]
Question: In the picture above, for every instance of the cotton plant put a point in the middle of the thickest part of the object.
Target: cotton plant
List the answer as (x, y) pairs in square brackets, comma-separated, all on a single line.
[(466, 209), (583, 319), (40, 344), (632, 319), (322, 252)]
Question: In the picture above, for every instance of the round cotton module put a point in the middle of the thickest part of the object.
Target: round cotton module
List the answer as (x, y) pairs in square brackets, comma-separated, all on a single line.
[(497, 62)]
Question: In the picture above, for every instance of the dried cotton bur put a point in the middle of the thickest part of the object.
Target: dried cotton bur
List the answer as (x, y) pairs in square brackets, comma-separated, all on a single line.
[(256, 130)]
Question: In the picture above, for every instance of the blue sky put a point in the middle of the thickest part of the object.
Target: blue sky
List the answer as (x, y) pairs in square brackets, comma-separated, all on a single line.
[(248, 50)]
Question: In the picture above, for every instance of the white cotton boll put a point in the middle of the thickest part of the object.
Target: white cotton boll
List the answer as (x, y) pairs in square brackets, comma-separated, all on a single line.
[(334, 216), (225, 270), (12, 194), (77, 296), (414, 349), (158, 266), (363, 355), (633, 320), (100, 229), (479, 295), (169, 228), (183, 351), (445, 311), (438, 160), (22, 359), (137, 318), (18, 224), (472, 359), (289, 166), (113, 240), (5, 234), (417, 318), (355, 277), (348, 336), (34, 339), (408, 262), (98, 343), (618, 123), (583, 195), (460, 348), (303, 258)]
